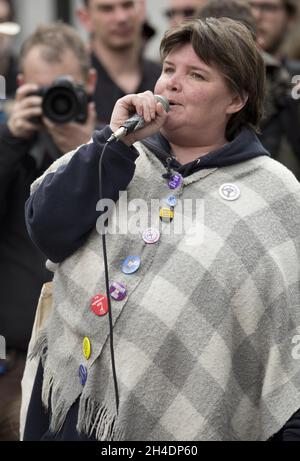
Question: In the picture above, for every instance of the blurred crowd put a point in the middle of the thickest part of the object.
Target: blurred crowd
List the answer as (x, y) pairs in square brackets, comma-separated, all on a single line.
[(60, 89)]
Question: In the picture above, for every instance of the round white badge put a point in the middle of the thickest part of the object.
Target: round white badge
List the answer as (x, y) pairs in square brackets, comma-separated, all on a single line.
[(229, 192)]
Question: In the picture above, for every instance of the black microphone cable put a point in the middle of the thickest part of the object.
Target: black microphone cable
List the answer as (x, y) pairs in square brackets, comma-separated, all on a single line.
[(112, 353)]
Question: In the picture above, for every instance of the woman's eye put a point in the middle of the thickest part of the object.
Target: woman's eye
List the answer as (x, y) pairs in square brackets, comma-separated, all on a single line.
[(197, 76), (168, 70)]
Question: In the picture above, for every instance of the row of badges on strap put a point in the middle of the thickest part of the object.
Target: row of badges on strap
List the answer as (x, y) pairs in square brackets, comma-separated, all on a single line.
[(118, 290), (166, 214)]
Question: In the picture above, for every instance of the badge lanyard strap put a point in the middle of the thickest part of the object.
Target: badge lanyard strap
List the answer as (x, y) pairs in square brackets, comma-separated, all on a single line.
[(166, 176)]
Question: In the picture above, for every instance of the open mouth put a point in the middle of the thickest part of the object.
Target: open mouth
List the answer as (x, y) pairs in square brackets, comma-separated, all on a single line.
[(173, 103)]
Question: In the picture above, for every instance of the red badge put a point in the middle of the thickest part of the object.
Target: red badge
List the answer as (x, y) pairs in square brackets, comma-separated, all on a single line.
[(99, 305)]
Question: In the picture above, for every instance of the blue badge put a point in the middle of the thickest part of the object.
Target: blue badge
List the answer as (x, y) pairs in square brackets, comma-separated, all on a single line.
[(82, 374), (172, 201), (131, 264)]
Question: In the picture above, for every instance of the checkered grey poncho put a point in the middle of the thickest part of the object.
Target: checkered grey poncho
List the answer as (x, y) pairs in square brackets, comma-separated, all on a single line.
[(206, 343)]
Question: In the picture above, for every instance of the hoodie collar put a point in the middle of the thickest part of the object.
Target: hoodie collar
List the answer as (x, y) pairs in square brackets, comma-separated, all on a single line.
[(244, 146)]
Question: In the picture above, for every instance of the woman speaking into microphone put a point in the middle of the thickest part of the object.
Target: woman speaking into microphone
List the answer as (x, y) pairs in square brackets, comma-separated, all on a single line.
[(183, 326)]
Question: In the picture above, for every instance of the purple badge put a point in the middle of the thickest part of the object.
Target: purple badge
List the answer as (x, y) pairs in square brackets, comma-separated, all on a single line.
[(175, 181), (118, 291)]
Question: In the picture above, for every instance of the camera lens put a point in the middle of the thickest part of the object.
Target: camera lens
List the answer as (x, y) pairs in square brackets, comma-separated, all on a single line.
[(60, 105)]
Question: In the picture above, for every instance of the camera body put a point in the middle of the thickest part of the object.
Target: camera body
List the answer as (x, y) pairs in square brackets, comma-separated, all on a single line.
[(64, 101)]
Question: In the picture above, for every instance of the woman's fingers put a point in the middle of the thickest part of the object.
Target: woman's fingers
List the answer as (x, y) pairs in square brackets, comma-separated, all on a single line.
[(145, 105)]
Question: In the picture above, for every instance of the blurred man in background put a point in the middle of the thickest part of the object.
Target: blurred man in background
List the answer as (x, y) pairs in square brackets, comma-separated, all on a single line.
[(116, 29), (275, 19), (29, 143)]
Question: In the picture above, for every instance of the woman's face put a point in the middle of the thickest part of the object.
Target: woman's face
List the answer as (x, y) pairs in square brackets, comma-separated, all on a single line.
[(200, 100)]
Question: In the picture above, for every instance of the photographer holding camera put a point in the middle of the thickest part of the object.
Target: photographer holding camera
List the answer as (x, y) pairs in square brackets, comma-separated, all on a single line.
[(41, 67), (52, 115)]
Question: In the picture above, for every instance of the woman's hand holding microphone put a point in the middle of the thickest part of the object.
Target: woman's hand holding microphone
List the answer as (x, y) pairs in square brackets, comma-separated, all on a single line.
[(145, 105)]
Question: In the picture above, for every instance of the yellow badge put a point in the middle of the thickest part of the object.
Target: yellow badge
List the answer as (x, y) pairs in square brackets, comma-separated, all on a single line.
[(166, 214), (86, 348)]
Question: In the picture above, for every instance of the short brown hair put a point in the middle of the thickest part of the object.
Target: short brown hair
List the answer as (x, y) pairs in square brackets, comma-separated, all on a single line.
[(229, 46), (56, 39)]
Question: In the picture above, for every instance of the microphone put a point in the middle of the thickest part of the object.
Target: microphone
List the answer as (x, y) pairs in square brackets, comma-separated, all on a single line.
[(136, 122)]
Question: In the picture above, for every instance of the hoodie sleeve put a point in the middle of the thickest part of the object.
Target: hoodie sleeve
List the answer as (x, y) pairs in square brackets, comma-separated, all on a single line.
[(290, 431), (61, 212)]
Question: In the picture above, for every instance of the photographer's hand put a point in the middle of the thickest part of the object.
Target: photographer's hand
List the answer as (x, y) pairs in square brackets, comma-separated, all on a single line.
[(71, 135), (24, 109)]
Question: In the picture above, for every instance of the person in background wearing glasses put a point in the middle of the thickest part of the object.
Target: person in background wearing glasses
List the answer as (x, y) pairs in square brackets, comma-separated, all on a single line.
[(180, 10), (274, 20)]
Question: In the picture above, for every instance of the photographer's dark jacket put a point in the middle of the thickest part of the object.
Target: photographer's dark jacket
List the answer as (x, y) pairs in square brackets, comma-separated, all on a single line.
[(22, 265)]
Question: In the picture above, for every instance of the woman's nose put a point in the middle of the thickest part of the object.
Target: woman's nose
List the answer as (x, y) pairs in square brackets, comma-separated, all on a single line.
[(174, 83)]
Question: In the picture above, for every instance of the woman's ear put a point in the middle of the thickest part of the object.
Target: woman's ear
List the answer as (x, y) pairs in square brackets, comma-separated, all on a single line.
[(237, 103)]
